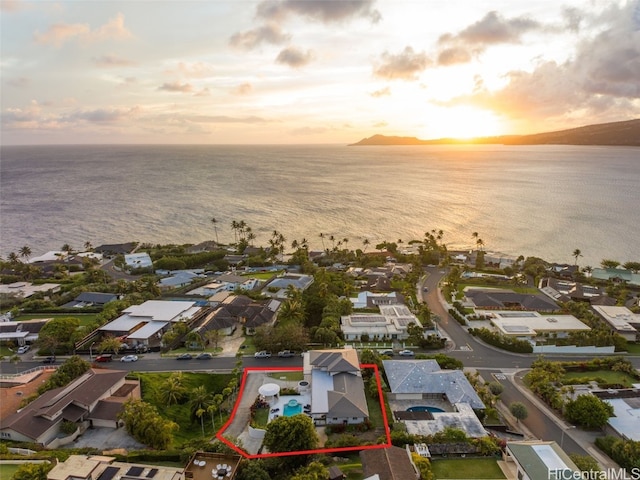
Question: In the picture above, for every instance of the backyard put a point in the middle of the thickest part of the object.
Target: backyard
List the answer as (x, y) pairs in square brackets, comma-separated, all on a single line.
[(473, 468)]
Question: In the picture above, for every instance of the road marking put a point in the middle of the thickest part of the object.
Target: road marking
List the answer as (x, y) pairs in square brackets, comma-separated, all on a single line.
[(499, 376), (466, 348)]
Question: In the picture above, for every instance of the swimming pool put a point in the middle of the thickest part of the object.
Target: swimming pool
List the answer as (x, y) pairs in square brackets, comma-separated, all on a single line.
[(289, 410), (425, 409)]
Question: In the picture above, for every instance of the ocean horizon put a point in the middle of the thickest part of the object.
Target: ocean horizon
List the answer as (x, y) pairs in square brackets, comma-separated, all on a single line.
[(543, 201)]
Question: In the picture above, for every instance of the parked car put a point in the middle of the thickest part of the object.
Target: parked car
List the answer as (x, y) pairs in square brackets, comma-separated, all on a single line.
[(406, 353), (262, 354), (204, 356), (105, 357), (141, 349), (129, 358), (23, 349), (49, 360), (184, 356), (388, 353), (286, 354)]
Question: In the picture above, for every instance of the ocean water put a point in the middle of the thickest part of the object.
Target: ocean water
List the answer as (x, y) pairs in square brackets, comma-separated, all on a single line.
[(531, 200)]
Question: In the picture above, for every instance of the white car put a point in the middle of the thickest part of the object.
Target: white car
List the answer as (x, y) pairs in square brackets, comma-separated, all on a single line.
[(262, 354), (129, 358), (23, 349), (406, 353)]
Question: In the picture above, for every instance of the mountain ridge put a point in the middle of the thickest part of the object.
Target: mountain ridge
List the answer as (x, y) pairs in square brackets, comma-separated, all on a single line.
[(623, 133)]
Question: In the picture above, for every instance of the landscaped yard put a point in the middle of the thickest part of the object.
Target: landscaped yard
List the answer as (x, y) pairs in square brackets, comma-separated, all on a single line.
[(153, 383), (263, 275), (7, 471), (633, 348), (472, 468), (288, 376), (607, 375)]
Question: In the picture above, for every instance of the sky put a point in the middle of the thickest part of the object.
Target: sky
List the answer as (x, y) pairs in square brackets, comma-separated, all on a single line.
[(312, 71)]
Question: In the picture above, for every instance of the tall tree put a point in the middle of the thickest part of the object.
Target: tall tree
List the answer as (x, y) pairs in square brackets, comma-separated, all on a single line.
[(25, 252), (322, 238), (13, 258), (199, 399), (110, 343), (215, 228), (606, 263), (365, 244), (588, 411), (576, 254)]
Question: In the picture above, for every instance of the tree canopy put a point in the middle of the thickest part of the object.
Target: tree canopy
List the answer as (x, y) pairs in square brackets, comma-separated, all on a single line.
[(518, 410), (588, 411), (290, 434)]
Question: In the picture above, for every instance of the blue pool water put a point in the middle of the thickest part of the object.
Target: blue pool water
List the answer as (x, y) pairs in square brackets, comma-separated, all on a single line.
[(289, 410), (425, 409)]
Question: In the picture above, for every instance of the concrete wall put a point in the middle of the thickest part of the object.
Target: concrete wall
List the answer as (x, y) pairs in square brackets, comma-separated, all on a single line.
[(554, 349)]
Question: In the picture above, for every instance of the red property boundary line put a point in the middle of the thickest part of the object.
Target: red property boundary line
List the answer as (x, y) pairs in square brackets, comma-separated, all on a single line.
[(247, 370)]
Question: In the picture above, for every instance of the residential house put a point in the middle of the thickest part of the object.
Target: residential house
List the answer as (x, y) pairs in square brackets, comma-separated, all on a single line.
[(138, 260), (531, 325), (563, 270), (226, 283), (393, 463), (625, 422), (144, 324), (560, 290), (179, 278), (91, 299), (367, 299), (236, 310), (100, 467), (337, 388), (420, 383), (617, 275), (27, 289), (502, 299), (621, 320), (111, 250), (390, 323), (93, 399), (537, 460), (22, 333), (277, 287)]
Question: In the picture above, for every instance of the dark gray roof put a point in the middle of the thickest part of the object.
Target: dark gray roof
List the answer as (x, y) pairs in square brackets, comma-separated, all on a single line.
[(505, 300), (347, 399)]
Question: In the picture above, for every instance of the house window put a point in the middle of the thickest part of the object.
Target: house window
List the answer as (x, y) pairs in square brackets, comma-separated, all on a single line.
[(354, 418), (5, 435), (335, 418), (520, 475)]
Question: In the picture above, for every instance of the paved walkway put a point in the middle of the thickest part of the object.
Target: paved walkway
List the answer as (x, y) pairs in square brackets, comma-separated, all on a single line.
[(231, 344)]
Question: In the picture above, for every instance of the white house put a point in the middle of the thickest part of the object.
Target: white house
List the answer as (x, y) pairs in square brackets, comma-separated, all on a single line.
[(621, 320), (529, 325), (144, 324), (138, 260), (390, 323), (337, 388)]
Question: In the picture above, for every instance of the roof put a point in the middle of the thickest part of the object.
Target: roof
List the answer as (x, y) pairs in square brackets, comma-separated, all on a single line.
[(512, 322), (347, 399), (496, 298), (72, 401), (335, 361), (103, 468), (115, 248), (391, 463), (162, 310), (539, 459), (426, 376)]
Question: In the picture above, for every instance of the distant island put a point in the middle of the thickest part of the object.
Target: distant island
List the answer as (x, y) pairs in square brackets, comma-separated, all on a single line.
[(626, 133)]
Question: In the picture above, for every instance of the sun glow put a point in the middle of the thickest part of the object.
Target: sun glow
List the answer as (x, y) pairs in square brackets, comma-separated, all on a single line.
[(464, 123)]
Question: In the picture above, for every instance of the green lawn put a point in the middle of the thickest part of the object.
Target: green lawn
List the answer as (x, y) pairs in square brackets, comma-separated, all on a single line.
[(247, 347), (180, 413), (85, 318), (633, 348), (261, 417), (472, 468), (288, 376), (263, 275), (607, 375), (7, 471)]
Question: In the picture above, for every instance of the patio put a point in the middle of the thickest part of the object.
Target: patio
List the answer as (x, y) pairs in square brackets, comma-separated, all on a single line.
[(277, 404), (212, 466)]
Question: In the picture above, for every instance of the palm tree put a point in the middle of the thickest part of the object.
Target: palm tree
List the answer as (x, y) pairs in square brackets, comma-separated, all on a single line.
[(25, 252), (13, 258), (251, 237), (235, 226), (345, 240), (322, 238), (588, 269), (295, 245), (215, 227), (199, 399), (365, 244), (577, 253), (87, 246), (480, 243)]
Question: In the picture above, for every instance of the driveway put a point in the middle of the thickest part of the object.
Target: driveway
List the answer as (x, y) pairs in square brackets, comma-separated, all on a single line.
[(107, 439)]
